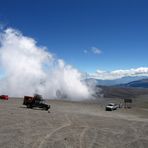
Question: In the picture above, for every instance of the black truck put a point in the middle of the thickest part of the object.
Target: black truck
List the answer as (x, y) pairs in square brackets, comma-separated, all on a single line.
[(36, 101)]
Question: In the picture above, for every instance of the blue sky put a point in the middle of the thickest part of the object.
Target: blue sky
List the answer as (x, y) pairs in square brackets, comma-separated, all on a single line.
[(72, 28)]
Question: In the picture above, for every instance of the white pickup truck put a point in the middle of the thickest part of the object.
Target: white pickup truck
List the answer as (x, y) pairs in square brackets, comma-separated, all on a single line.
[(111, 107)]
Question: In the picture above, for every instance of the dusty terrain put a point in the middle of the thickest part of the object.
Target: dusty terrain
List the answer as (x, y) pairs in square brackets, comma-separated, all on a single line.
[(71, 125)]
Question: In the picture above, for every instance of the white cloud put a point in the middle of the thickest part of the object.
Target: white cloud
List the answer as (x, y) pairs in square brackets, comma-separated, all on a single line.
[(110, 75), (30, 69), (95, 50)]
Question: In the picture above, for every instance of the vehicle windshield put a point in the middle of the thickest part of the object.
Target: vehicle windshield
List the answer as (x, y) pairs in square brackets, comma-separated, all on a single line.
[(111, 104), (42, 101)]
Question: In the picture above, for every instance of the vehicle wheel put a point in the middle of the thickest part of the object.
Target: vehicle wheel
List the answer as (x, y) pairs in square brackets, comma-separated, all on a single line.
[(29, 106), (46, 108)]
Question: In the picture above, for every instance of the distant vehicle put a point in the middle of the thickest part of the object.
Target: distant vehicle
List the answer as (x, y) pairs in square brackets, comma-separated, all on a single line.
[(4, 97), (36, 101), (111, 107)]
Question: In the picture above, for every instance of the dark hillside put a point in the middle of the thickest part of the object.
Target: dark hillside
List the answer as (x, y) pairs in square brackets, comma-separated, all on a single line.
[(122, 92)]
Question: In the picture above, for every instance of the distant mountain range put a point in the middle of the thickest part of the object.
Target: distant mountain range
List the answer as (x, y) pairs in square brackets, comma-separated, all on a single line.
[(127, 87), (143, 83), (125, 81), (122, 92)]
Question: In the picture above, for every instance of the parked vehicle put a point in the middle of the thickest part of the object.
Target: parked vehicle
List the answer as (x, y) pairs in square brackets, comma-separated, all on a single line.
[(111, 107), (4, 97), (36, 101)]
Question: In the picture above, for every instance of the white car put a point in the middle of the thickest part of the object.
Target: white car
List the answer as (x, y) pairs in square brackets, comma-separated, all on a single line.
[(111, 107)]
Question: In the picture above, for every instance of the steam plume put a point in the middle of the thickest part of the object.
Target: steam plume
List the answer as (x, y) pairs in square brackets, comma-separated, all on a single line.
[(26, 68)]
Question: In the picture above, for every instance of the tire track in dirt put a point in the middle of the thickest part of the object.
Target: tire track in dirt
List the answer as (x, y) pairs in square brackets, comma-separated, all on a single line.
[(82, 137), (93, 140), (137, 133), (27, 131), (37, 142), (48, 136)]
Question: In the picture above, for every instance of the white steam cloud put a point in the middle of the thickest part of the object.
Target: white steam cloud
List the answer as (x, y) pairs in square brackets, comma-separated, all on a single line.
[(26, 69)]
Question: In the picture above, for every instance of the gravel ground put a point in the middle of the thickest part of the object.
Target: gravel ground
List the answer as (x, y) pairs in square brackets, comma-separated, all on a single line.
[(71, 125)]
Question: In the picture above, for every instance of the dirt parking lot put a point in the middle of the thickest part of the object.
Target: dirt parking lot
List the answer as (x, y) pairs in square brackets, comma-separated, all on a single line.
[(71, 125)]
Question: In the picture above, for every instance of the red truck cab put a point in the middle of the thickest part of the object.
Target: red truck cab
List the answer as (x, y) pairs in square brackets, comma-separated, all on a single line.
[(4, 97)]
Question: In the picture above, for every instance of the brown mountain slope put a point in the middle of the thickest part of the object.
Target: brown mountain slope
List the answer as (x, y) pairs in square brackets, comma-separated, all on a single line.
[(122, 92)]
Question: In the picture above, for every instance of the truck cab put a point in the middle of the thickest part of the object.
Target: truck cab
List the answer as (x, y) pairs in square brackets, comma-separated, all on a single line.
[(36, 101)]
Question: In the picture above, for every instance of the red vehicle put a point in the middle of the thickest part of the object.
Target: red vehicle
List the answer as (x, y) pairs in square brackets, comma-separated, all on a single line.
[(4, 97)]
